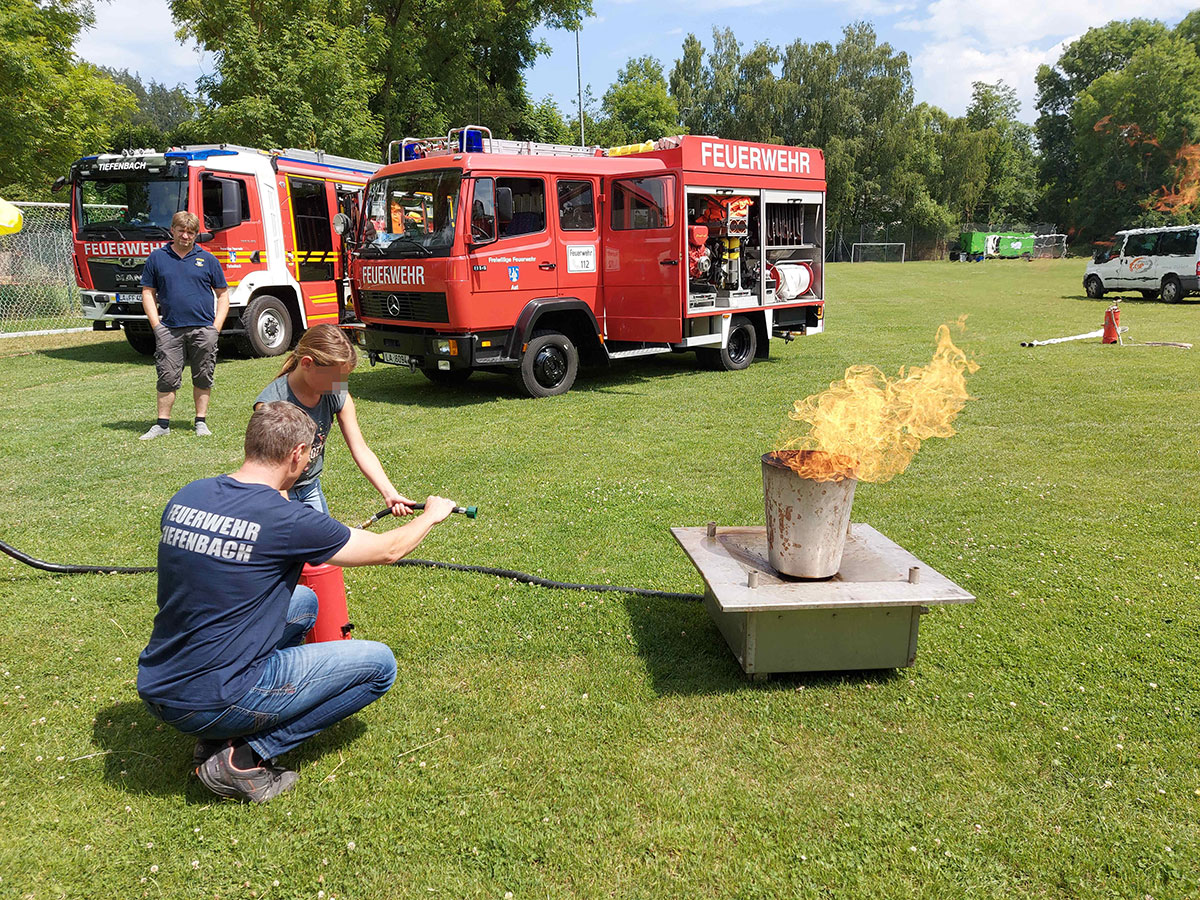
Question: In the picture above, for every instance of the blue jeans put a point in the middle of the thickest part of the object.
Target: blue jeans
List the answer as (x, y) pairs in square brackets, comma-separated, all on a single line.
[(311, 495), (303, 688)]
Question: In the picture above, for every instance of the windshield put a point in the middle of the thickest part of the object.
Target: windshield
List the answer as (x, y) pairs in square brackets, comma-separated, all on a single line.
[(136, 206), (411, 214)]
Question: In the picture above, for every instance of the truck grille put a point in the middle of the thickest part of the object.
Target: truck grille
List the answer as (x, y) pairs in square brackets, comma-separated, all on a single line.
[(111, 276), (408, 306)]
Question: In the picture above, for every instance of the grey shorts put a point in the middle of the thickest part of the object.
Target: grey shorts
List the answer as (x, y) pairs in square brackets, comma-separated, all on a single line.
[(197, 346)]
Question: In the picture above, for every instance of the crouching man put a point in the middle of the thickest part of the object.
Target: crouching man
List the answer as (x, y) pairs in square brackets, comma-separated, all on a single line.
[(227, 662)]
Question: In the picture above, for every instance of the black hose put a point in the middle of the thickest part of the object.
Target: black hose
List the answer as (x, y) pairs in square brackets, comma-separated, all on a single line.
[(74, 570), (511, 574), (526, 578)]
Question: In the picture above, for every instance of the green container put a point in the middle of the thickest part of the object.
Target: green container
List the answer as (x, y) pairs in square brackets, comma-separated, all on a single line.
[(1002, 244)]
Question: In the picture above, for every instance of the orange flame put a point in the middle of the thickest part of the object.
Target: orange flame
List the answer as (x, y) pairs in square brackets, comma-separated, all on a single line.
[(868, 426)]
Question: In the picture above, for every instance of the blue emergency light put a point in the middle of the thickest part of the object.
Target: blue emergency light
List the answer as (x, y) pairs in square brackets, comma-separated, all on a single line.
[(470, 141)]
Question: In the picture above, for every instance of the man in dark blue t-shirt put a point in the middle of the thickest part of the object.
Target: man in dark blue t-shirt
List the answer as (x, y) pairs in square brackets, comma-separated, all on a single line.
[(226, 662), (179, 282)]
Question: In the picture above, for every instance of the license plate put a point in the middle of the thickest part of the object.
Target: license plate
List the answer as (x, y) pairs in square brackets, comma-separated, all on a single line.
[(396, 359), (129, 298)]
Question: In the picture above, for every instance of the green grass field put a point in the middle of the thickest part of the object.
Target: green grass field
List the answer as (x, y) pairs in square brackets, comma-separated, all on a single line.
[(550, 744)]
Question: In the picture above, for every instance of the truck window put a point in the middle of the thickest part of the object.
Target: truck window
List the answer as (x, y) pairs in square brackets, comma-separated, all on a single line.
[(214, 219), (1141, 244), (1178, 243), (576, 207), (643, 203), (528, 204)]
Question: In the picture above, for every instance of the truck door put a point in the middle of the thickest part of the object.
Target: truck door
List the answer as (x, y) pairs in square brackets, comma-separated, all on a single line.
[(577, 239), (521, 264), (233, 215), (313, 260), (641, 246)]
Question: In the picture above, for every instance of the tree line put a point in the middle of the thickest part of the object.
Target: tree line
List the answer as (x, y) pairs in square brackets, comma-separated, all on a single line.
[(1114, 143)]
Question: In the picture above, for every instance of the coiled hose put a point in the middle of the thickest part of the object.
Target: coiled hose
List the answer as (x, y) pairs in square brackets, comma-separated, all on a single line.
[(510, 574)]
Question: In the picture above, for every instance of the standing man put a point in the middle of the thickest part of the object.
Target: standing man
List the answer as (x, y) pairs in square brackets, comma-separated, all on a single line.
[(178, 284), (227, 662)]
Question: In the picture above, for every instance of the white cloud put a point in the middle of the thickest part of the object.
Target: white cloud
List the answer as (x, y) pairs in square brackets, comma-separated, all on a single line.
[(139, 35), (969, 40)]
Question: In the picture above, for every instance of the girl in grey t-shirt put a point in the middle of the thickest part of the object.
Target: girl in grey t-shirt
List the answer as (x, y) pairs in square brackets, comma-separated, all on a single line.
[(315, 378)]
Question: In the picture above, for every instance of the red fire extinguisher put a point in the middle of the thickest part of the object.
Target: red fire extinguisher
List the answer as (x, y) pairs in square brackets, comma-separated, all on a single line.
[(333, 620), (1112, 322)]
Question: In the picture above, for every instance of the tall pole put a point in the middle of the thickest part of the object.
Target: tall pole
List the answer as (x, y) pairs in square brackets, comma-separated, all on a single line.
[(579, 82)]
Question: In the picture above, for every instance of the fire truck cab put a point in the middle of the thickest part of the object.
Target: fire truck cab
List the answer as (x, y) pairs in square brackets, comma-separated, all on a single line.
[(268, 217), (475, 253)]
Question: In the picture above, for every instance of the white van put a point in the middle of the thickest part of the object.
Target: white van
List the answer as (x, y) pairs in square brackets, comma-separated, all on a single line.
[(1158, 262)]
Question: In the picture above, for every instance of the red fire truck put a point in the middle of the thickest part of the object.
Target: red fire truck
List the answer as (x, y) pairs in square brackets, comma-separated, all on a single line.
[(474, 253), (267, 216)]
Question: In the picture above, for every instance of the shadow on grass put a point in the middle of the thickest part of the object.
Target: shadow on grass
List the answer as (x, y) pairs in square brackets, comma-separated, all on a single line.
[(620, 378), (106, 352), (1133, 300), (685, 653), (144, 756)]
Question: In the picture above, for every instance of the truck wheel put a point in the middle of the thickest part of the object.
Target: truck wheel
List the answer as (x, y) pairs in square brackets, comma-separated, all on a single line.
[(447, 377), (1172, 290), (268, 326), (1094, 287), (549, 364), (738, 353), (140, 338)]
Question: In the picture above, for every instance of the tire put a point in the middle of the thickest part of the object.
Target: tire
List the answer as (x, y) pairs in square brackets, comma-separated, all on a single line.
[(1149, 295), (268, 326), (140, 338), (549, 364), (1172, 290), (1094, 287), (447, 377), (739, 350)]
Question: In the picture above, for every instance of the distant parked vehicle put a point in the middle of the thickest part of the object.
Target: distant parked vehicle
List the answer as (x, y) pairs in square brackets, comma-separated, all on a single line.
[(1156, 262)]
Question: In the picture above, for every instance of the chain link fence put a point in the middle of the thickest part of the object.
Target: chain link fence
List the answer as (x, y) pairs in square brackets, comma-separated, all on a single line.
[(38, 293)]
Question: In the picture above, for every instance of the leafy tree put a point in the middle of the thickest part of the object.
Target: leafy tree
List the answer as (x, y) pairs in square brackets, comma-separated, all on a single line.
[(56, 107), (160, 117), (351, 75), (1098, 52), (1009, 166), (1130, 128), (638, 106)]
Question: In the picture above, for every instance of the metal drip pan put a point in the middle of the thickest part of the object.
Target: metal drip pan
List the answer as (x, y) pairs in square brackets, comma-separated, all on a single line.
[(864, 617)]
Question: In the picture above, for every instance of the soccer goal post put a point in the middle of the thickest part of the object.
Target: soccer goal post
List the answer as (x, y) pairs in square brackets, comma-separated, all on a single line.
[(877, 252), (1049, 246)]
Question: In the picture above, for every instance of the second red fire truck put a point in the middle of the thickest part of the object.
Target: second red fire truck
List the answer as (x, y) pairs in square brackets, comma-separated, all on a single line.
[(473, 253), (266, 216)]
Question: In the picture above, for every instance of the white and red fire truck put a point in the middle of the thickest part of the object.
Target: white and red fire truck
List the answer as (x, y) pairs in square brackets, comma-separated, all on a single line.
[(267, 216), (475, 253)]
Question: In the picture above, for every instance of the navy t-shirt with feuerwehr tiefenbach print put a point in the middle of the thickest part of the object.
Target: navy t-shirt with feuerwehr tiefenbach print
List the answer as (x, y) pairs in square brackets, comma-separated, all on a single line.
[(229, 557)]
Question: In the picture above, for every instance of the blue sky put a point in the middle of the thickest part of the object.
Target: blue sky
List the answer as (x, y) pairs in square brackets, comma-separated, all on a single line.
[(950, 43)]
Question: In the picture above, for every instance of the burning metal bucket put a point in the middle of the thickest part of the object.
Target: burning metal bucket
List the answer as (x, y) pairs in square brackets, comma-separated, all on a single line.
[(807, 515)]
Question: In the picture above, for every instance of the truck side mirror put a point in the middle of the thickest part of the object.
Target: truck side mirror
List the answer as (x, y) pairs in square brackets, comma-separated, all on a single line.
[(59, 183), (231, 204), (204, 237), (341, 223)]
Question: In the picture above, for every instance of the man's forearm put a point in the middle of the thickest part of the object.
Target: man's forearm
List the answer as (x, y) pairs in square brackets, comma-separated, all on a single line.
[(222, 309), (150, 306)]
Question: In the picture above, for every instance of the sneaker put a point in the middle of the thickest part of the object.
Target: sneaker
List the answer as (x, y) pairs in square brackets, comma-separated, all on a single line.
[(202, 430), (259, 784), (156, 430), (203, 750)]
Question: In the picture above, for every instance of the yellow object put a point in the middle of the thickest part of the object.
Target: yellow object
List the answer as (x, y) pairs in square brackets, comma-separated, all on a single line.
[(627, 149), (11, 218)]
